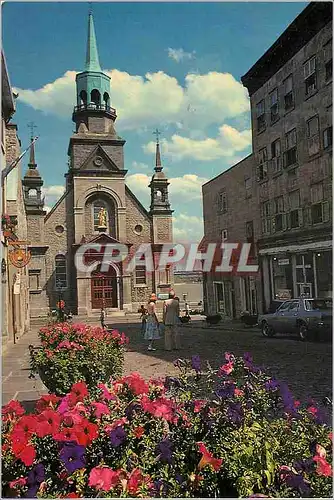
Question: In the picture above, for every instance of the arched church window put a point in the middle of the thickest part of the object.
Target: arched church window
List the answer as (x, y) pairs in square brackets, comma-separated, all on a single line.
[(95, 97), (101, 216), (83, 97), (32, 193), (106, 99), (60, 272)]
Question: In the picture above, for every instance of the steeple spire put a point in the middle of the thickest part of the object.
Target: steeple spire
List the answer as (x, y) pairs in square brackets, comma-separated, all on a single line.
[(92, 56), (158, 166), (32, 161)]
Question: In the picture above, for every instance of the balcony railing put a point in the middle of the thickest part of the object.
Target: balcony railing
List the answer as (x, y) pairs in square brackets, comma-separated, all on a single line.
[(95, 107)]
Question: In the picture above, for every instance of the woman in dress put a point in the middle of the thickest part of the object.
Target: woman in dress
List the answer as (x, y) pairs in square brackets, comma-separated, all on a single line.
[(152, 323)]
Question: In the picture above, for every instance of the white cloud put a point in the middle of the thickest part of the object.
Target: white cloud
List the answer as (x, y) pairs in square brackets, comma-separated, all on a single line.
[(156, 98), (187, 188), (52, 194), (180, 55), (187, 228), (140, 166), (228, 142)]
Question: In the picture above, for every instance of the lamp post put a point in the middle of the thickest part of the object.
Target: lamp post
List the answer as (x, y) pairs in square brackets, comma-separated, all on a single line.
[(59, 289)]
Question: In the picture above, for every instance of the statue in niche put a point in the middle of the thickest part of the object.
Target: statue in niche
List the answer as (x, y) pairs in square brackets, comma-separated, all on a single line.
[(102, 216)]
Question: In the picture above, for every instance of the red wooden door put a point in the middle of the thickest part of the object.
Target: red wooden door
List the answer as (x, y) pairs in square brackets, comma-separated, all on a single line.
[(103, 290)]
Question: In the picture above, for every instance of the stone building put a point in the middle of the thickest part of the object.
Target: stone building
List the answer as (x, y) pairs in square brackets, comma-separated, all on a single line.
[(229, 216), (288, 175), (97, 207), (290, 90), (14, 278)]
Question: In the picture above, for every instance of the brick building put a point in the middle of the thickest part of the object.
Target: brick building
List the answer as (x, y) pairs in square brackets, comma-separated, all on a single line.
[(95, 185), (14, 279), (290, 90)]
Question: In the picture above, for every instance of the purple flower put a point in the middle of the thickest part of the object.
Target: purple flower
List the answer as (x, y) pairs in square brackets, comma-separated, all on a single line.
[(271, 385), (226, 390), (196, 363), (287, 398), (307, 465), (35, 477), (235, 413), (247, 357), (117, 436), (164, 449), (73, 456), (160, 487), (131, 409), (172, 381), (296, 481)]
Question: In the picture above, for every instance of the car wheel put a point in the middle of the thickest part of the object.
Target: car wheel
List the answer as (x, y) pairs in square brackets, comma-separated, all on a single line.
[(267, 331), (303, 332)]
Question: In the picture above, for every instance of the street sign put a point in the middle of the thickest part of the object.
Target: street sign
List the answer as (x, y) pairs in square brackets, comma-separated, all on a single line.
[(283, 262)]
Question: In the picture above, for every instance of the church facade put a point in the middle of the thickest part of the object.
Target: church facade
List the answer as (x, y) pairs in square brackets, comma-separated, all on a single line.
[(97, 207)]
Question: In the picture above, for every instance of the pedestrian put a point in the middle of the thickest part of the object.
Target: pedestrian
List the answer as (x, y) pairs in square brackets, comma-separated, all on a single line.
[(171, 318), (143, 317), (103, 317), (152, 323), (187, 309)]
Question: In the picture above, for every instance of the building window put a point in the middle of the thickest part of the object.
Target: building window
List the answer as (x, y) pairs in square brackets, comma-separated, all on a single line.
[(328, 137), (288, 94), (34, 279), (263, 167), (328, 51), (279, 216), (282, 277), (319, 208), (224, 235), (100, 213), (275, 163), (60, 274), (313, 135), (223, 202), (265, 216), (295, 212), (310, 76), (140, 275), (260, 116), (273, 96), (291, 148)]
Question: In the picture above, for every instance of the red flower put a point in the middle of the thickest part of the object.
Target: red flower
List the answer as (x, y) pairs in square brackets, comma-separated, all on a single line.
[(24, 429), (313, 410), (136, 383), (103, 478), (208, 459), (238, 392), (100, 409), (86, 432), (160, 408), (323, 467), (18, 482), (106, 394), (48, 423), (25, 452), (71, 495), (198, 405), (47, 401), (66, 434), (296, 404), (330, 435), (226, 369), (12, 409), (138, 431), (78, 393), (136, 479)]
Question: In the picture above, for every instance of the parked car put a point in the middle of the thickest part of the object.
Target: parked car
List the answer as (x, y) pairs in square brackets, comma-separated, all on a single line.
[(305, 317)]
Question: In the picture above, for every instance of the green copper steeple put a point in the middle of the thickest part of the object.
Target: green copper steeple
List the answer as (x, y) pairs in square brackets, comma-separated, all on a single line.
[(92, 57)]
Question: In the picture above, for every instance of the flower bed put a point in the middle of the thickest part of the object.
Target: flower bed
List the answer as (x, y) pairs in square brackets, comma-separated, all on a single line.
[(138, 439), (73, 353)]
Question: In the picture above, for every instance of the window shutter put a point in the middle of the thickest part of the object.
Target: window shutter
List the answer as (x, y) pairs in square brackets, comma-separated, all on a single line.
[(288, 220), (300, 216), (325, 211), (284, 222)]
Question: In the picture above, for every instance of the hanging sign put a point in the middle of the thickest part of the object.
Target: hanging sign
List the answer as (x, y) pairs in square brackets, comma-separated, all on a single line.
[(19, 257)]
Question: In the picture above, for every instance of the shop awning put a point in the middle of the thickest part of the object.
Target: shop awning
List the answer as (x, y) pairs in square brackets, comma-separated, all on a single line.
[(318, 245)]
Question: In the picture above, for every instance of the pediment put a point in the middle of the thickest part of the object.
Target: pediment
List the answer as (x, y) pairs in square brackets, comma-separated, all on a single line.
[(98, 161)]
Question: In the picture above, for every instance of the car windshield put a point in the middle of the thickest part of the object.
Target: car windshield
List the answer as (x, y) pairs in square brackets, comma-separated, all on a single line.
[(319, 304)]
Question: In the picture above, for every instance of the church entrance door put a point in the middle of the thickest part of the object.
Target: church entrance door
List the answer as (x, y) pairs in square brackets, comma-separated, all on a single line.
[(104, 289)]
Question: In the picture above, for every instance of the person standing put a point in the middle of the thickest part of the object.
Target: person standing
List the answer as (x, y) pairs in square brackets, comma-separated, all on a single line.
[(103, 317), (171, 318), (143, 317), (152, 323)]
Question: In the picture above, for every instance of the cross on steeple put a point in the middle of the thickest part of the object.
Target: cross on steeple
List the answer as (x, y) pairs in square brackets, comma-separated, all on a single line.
[(31, 125), (157, 133), (90, 8)]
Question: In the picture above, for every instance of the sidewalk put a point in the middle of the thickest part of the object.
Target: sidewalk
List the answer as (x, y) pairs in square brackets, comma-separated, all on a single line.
[(16, 383), (225, 324)]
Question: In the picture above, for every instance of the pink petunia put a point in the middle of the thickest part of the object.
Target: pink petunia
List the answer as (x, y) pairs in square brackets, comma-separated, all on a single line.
[(323, 467), (226, 369), (100, 409), (103, 478)]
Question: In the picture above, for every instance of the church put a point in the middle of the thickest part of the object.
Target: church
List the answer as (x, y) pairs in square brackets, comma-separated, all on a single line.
[(96, 207)]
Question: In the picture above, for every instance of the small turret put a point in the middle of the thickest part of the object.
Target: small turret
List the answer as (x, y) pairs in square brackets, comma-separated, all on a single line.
[(159, 185), (32, 185)]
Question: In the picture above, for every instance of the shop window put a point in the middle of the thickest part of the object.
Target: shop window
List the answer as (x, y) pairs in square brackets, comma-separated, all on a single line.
[(310, 76), (262, 167), (290, 155), (288, 93), (324, 270), (328, 137), (260, 116), (60, 272), (282, 277), (273, 96), (140, 275)]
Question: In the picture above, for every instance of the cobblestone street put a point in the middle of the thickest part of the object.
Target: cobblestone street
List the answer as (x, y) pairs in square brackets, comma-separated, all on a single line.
[(306, 367)]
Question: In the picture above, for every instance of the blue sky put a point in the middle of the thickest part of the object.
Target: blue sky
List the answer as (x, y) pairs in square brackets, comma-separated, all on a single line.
[(175, 66)]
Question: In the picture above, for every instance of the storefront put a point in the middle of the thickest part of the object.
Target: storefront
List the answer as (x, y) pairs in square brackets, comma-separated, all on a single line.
[(296, 272)]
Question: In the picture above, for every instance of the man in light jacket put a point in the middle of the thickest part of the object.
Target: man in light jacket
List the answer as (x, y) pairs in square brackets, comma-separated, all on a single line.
[(171, 315)]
